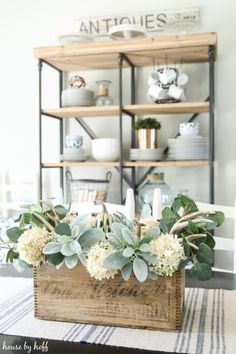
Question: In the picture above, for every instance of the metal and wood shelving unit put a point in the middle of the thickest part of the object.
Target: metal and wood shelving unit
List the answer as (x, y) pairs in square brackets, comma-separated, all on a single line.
[(192, 48)]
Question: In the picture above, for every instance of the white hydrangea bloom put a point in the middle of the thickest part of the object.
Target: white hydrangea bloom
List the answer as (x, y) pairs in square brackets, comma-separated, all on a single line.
[(95, 260), (31, 244), (170, 253)]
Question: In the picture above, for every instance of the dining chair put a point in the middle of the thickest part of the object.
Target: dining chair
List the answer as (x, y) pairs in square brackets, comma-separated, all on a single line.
[(128, 209), (13, 196), (225, 248)]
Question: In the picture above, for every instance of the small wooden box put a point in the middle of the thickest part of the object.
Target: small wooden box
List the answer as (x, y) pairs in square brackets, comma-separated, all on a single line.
[(71, 295)]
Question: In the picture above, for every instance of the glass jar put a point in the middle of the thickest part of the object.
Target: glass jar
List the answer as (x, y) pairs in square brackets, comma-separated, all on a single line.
[(103, 98), (146, 193)]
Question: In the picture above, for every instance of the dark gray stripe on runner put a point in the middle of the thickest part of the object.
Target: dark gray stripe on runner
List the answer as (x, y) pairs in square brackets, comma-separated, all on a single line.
[(218, 323), (223, 322), (189, 333), (110, 335), (212, 323), (106, 335), (71, 331), (17, 317), (187, 308), (101, 331), (74, 337), (12, 299), (89, 333), (202, 323), (15, 306)]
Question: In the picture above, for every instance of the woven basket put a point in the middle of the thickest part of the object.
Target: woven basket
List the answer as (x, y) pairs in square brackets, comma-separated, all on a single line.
[(87, 190)]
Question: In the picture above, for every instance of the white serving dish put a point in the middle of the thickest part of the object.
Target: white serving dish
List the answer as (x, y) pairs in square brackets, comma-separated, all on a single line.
[(126, 31), (74, 151), (73, 157), (105, 149), (74, 38)]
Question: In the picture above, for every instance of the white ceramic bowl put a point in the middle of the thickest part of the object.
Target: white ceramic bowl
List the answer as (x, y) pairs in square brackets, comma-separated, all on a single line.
[(189, 129), (105, 149)]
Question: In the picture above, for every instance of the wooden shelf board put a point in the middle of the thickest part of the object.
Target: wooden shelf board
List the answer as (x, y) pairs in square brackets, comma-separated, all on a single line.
[(81, 164), (91, 111), (184, 163), (139, 109), (190, 48), (169, 108)]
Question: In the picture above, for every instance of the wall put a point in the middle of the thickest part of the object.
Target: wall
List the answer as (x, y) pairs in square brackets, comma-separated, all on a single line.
[(27, 24)]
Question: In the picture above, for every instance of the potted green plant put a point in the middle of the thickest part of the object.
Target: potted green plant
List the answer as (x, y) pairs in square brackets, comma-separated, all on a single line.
[(147, 133)]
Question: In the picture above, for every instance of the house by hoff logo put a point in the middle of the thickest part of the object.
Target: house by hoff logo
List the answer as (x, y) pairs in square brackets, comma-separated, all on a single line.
[(27, 347)]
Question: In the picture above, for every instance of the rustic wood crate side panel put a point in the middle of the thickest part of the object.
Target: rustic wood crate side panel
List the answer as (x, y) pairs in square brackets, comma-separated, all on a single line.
[(71, 295)]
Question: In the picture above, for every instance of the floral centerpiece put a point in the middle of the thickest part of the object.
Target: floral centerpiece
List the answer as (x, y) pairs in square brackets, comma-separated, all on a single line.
[(107, 245)]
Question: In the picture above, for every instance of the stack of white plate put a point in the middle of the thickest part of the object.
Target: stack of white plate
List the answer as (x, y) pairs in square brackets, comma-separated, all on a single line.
[(77, 97), (74, 154), (146, 154), (188, 148)]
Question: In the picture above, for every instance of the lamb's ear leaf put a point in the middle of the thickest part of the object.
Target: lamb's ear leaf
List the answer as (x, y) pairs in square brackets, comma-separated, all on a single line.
[(117, 228), (145, 247), (140, 269), (71, 261), (150, 235), (128, 236), (114, 240), (52, 247), (68, 249), (128, 252), (126, 271), (91, 237), (115, 260)]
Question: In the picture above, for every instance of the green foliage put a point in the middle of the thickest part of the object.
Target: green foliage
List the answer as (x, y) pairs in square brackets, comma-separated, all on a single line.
[(61, 211), (116, 260), (52, 247), (71, 261), (55, 258), (63, 229), (131, 251), (11, 255), (70, 243), (120, 218), (90, 237), (126, 271), (140, 269), (201, 271), (205, 254), (14, 233), (147, 123), (194, 226)]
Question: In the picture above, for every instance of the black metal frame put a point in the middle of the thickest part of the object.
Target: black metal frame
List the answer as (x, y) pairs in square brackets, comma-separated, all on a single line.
[(132, 183), (61, 129)]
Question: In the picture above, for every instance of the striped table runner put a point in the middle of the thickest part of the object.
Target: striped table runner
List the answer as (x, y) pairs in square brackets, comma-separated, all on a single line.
[(209, 324)]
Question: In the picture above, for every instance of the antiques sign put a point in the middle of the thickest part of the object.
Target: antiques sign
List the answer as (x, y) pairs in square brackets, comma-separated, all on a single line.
[(152, 21)]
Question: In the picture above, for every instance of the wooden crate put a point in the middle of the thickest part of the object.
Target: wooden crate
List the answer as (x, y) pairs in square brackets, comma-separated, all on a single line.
[(73, 296)]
